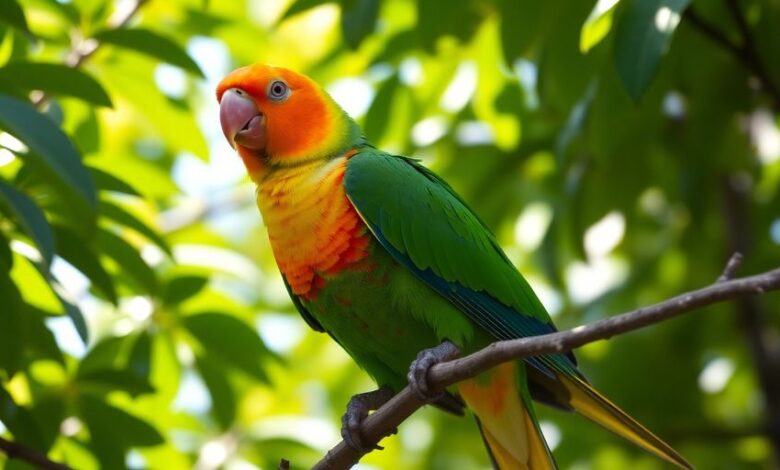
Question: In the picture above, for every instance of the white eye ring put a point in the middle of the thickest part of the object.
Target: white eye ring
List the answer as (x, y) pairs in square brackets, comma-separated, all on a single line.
[(278, 90)]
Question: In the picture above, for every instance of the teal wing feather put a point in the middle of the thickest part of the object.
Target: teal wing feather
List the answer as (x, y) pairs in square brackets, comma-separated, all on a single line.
[(418, 218)]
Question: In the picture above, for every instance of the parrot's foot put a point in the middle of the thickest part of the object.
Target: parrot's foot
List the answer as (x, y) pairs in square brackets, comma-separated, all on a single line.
[(418, 371), (357, 410)]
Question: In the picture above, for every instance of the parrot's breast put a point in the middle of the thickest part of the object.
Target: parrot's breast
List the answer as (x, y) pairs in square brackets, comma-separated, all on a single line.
[(314, 231)]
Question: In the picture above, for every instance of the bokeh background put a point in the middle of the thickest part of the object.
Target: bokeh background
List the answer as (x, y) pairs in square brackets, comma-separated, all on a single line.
[(621, 150)]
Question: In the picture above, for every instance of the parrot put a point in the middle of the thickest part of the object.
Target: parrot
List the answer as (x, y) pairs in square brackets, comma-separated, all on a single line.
[(380, 253)]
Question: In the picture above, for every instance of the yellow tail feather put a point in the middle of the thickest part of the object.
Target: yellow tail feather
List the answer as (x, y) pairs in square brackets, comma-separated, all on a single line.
[(594, 406), (507, 425)]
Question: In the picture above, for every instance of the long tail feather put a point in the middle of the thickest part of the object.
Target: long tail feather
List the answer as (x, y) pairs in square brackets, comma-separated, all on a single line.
[(594, 406), (505, 417)]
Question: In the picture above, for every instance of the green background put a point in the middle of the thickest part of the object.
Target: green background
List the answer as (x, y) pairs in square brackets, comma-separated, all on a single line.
[(620, 150)]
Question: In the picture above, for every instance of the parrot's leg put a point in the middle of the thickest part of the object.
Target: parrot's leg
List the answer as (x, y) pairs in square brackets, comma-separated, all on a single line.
[(418, 371), (357, 410)]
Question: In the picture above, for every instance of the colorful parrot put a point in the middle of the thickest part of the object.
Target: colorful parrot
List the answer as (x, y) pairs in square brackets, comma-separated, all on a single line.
[(380, 253)]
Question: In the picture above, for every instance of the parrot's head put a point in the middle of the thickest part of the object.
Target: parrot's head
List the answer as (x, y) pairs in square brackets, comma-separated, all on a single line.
[(276, 117)]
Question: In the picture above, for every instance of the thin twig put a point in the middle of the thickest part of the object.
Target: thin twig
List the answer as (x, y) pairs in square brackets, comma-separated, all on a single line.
[(745, 52), (83, 49), (751, 52), (731, 267), (17, 451), (385, 420)]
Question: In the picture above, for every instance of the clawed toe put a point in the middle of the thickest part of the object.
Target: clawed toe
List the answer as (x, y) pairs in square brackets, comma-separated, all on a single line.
[(357, 410), (418, 371)]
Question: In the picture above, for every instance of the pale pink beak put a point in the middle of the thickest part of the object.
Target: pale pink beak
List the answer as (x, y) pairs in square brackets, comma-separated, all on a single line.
[(242, 122)]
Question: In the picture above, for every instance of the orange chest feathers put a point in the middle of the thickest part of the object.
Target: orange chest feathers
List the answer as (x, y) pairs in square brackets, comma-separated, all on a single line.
[(314, 231)]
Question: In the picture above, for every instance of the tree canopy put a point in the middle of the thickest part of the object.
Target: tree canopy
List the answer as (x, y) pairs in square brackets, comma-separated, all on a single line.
[(620, 150)]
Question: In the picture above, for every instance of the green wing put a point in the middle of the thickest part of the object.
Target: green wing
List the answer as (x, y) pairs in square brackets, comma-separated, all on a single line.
[(425, 226)]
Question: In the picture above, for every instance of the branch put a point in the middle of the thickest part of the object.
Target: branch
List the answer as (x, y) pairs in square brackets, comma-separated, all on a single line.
[(17, 451), (384, 421), (745, 52), (83, 49)]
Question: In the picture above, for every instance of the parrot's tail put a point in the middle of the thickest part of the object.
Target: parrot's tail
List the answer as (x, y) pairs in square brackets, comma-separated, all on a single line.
[(594, 406), (506, 419)]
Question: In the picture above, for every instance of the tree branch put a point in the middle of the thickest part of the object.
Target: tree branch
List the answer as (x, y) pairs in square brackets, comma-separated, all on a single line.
[(745, 52), (83, 49), (385, 420), (17, 451)]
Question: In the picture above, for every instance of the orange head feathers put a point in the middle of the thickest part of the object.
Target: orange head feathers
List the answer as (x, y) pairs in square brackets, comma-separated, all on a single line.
[(276, 117)]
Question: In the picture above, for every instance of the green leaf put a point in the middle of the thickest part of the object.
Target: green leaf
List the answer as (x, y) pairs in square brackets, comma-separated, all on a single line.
[(181, 288), (598, 24), (378, 114), (122, 216), (223, 398), (522, 22), (107, 353), (71, 309), (229, 339), (121, 426), (358, 18), (30, 218), (82, 256), (12, 14), (107, 380), (113, 431), (19, 421), (108, 182), (56, 79), (38, 339), (128, 259), (152, 44), (11, 337), (139, 361), (642, 38), (436, 18), (51, 150), (6, 256), (302, 5)]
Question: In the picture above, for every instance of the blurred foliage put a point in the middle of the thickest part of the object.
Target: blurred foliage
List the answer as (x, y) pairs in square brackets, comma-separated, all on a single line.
[(619, 153)]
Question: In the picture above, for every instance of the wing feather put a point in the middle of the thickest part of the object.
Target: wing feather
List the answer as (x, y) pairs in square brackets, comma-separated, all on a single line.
[(428, 228)]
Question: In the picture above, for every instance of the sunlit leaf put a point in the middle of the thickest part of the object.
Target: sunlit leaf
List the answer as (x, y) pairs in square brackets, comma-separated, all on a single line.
[(229, 339), (30, 218), (51, 150), (598, 24), (55, 79), (153, 44), (642, 38)]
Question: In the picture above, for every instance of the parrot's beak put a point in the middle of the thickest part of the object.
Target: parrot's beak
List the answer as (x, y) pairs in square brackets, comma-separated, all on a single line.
[(242, 122)]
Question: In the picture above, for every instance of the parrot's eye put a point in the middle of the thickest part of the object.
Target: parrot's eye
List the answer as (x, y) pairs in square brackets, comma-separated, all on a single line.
[(278, 90)]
